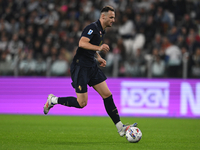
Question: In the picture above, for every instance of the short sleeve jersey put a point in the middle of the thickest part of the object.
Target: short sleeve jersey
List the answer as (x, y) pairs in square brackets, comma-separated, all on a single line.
[(95, 33)]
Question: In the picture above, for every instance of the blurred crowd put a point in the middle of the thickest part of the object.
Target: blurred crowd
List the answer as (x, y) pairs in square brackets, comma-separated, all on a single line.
[(150, 38)]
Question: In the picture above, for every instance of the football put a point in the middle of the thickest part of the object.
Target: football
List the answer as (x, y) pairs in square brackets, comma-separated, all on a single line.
[(133, 134)]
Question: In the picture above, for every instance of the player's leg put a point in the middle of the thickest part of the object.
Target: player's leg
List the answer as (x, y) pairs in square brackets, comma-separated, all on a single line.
[(110, 107), (79, 102), (82, 99), (109, 104), (79, 78)]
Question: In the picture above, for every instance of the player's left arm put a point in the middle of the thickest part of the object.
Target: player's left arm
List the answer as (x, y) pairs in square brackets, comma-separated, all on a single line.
[(100, 60)]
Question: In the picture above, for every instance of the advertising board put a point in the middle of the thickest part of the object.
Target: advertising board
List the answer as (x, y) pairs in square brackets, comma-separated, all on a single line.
[(133, 97)]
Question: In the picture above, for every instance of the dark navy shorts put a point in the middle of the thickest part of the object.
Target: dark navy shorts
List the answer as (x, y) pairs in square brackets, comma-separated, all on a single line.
[(83, 76)]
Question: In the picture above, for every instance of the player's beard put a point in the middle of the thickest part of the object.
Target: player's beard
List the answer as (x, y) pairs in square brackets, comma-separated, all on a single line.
[(109, 24)]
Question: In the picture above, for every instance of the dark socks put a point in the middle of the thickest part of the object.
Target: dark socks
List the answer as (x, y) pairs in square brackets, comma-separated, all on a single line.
[(68, 101), (111, 109)]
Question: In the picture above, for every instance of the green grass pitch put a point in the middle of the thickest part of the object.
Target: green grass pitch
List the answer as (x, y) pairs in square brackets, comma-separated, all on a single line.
[(29, 132)]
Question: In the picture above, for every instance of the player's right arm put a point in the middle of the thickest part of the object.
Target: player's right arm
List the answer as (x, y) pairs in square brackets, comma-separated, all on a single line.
[(85, 43)]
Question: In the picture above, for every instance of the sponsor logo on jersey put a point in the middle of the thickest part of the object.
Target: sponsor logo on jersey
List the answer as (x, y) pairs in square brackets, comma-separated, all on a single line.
[(90, 32)]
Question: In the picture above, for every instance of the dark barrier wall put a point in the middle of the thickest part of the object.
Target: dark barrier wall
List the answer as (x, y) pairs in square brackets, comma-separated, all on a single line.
[(133, 97)]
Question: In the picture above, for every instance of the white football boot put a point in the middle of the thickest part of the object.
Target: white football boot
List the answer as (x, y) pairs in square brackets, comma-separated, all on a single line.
[(122, 132), (48, 105)]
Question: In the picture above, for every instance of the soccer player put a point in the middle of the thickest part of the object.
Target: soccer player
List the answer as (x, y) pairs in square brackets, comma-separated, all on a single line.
[(84, 70)]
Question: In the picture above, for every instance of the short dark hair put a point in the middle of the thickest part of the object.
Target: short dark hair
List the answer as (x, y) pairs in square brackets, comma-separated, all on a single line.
[(107, 8)]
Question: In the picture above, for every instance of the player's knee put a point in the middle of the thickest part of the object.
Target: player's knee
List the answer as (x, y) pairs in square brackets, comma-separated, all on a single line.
[(106, 95), (82, 99), (82, 104)]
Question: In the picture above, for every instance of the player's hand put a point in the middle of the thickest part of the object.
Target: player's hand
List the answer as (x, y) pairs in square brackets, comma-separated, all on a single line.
[(102, 62), (104, 47)]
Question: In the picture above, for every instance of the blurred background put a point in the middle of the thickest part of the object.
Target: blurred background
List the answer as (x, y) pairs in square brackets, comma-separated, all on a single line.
[(149, 39), (153, 70)]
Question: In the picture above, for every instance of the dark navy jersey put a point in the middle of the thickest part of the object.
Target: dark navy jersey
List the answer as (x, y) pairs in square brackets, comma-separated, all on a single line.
[(95, 33)]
